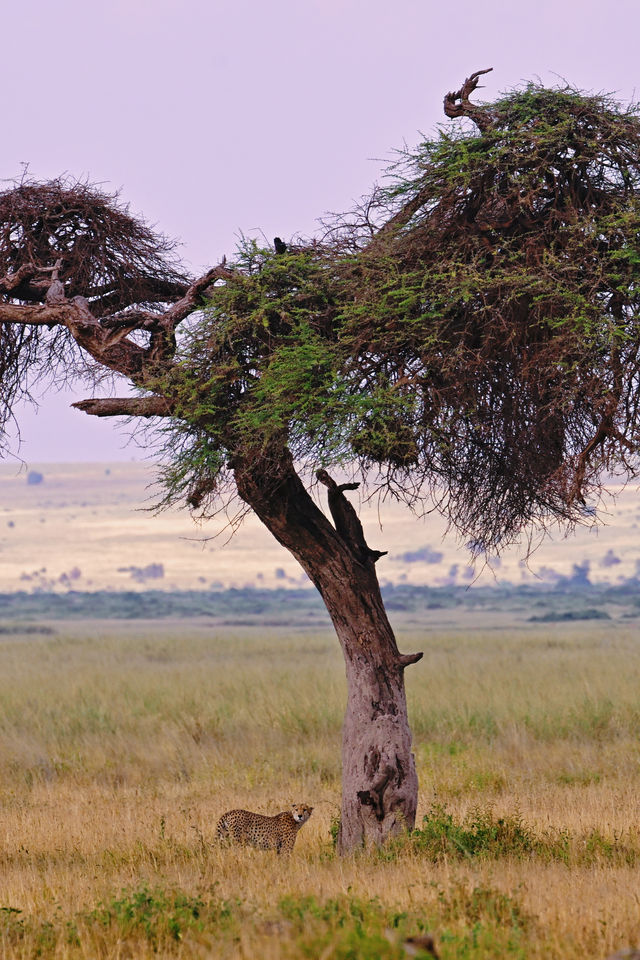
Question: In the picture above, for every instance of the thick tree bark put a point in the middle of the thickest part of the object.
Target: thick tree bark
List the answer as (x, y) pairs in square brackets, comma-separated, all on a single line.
[(379, 785)]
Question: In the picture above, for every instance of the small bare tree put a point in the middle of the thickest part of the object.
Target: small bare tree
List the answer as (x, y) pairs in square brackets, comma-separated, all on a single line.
[(471, 334)]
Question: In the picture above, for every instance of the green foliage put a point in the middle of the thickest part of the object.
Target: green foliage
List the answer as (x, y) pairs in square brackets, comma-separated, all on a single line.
[(481, 336), (481, 835), (351, 927), (484, 921), (505, 306), (334, 830), (161, 916), (158, 917), (262, 351)]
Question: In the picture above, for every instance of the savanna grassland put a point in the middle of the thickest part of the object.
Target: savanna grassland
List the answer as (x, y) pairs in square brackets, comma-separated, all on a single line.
[(121, 744)]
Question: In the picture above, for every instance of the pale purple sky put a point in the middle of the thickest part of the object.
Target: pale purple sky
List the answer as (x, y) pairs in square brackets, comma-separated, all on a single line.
[(215, 117)]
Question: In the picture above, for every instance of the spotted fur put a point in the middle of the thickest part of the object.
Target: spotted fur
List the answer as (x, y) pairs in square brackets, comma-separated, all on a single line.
[(267, 833)]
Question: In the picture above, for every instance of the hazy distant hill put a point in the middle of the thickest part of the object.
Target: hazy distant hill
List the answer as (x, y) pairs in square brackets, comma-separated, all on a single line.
[(88, 527), (457, 607)]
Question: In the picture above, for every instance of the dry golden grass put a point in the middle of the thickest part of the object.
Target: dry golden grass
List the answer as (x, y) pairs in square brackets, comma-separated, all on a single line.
[(121, 745)]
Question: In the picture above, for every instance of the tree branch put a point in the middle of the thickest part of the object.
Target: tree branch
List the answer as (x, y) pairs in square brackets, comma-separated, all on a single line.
[(196, 293), (123, 357), (483, 120), (125, 407), (10, 281), (105, 339), (21, 284), (406, 659), (345, 518), (464, 108), (162, 325), (130, 320), (606, 431), (161, 288), (35, 315), (398, 220), (148, 320)]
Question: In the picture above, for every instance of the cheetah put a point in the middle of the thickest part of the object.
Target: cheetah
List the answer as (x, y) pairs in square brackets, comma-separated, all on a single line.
[(267, 833)]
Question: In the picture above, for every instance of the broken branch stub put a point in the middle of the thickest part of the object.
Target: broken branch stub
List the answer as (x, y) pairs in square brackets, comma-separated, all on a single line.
[(458, 104)]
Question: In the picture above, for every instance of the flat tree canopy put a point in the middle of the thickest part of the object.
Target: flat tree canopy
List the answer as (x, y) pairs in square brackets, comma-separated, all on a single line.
[(468, 336), (471, 333)]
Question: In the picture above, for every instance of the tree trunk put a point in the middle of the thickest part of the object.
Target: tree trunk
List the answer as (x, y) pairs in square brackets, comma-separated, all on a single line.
[(379, 781)]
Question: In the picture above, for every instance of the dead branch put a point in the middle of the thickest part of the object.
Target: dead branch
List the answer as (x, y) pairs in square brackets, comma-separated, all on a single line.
[(605, 432), (345, 518), (406, 659), (194, 297), (127, 357), (33, 315), (99, 247), (125, 407), (458, 105), (123, 323), (11, 281), (105, 338), (197, 292)]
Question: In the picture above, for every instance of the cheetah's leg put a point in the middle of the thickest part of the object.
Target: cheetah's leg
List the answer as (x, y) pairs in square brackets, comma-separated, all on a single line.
[(286, 846), (223, 832)]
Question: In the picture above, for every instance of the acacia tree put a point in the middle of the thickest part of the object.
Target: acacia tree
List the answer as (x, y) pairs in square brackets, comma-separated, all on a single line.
[(469, 335)]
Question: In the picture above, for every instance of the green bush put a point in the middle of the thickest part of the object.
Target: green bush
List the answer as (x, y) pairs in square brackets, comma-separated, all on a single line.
[(481, 835)]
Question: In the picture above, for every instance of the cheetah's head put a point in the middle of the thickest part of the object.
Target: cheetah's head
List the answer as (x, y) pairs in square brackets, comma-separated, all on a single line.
[(301, 812)]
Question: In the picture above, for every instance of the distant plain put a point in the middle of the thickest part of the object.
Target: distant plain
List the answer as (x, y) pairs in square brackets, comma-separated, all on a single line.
[(91, 526)]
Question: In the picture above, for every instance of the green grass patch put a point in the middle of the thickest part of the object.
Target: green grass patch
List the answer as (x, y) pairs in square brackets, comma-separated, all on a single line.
[(482, 835), (161, 917), (477, 923)]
